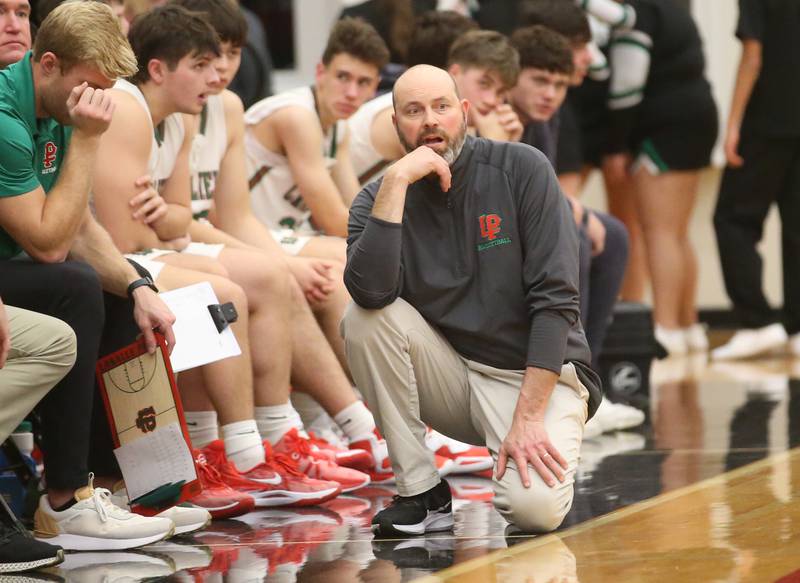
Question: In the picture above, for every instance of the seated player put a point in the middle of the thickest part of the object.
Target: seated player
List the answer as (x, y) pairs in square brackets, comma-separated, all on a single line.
[(300, 176)]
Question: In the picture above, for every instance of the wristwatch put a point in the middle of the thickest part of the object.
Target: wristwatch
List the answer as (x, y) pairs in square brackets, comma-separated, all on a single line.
[(148, 281)]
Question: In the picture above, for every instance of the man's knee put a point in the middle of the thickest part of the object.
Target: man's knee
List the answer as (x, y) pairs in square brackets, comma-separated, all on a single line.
[(535, 509), (63, 344), (360, 325)]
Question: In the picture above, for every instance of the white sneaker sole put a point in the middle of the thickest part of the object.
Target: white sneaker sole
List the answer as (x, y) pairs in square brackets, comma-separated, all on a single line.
[(433, 522), (187, 528), (76, 542), (30, 565), (285, 497)]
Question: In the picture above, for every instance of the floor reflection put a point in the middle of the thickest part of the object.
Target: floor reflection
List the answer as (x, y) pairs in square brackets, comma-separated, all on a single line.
[(703, 420)]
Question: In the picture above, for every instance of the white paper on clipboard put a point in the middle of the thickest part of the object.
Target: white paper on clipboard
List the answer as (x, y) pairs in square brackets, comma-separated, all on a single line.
[(197, 341)]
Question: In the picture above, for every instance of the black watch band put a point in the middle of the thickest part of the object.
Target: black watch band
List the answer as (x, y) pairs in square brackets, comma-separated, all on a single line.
[(137, 283)]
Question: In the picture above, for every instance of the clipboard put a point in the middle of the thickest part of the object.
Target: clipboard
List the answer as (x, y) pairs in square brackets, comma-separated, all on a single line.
[(148, 427)]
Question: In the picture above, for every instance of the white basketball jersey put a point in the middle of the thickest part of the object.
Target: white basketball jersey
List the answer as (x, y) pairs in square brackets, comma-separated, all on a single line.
[(275, 198), (167, 137), (208, 149), (367, 162)]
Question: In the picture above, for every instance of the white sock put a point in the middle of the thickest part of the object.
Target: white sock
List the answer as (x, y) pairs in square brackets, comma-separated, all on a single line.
[(273, 422), (355, 420), (203, 428), (306, 406), (243, 444)]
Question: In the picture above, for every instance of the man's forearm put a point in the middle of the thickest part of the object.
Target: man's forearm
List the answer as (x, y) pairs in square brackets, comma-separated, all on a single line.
[(95, 247), (67, 201), (537, 386), (391, 198)]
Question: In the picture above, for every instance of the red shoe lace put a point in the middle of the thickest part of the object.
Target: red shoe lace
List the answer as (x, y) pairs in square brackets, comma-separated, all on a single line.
[(208, 474), (281, 462), (314, 439), (297, 443)]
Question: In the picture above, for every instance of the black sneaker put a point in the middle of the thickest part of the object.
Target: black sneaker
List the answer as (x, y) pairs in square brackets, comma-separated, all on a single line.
[(431, 511), (432, 554), (19, 552)]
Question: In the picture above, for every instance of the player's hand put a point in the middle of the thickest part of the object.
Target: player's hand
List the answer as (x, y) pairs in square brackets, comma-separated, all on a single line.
[(314, 277), (597, 234), (151, 313), (488, 125), (510, 122), (5, 335), (90, 110), (527, 442), (732, 148), (421, 162), (148, 206)]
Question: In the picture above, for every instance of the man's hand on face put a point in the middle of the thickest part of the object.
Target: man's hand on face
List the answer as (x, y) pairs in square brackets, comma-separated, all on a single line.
[(510, 122), (418, 163), (148, 206), (488, 125), (151, 313), (90, 110)]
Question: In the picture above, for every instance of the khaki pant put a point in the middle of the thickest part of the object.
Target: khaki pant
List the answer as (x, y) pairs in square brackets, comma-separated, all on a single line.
[(42, 352), (412, 377)]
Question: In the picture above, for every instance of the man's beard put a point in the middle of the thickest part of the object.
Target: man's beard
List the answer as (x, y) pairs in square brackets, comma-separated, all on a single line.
[(454, 145)]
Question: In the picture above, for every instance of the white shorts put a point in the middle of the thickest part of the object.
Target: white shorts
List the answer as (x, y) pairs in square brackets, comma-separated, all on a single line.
[(147, 259), (290, 241)]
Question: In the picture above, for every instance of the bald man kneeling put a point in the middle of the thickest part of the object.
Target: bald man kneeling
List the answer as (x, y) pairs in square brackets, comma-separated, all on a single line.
[(463, 267)]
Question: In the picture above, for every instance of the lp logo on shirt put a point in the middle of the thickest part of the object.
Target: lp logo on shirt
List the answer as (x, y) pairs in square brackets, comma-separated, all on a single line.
[(50, 151), (490, 228)]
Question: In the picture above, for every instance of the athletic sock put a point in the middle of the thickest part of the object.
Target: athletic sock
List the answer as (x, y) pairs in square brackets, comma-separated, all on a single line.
[(274, 421), (306, 406), (243, 444), (355, 420), (203, 427)]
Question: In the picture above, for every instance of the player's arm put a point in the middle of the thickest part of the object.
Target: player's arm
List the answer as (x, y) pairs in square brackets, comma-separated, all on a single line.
[(343, 173), (302, 139), (122, 158), (46, 226), (232, 211), (177, 190)]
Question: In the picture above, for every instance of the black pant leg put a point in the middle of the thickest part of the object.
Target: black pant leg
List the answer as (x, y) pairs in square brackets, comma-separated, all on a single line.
[(745, 197), (606, 274), (71, 292), (789, 207), (120, 331)]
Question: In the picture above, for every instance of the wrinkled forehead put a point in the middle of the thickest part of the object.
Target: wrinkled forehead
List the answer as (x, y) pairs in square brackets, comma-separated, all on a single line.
[(424, 89)]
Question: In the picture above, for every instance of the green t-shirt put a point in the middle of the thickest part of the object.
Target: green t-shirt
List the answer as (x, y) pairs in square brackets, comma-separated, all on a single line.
[(31, 150)]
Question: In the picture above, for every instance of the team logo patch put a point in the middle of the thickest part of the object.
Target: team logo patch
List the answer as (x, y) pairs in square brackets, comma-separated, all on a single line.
[(490, 229), (50, 151)]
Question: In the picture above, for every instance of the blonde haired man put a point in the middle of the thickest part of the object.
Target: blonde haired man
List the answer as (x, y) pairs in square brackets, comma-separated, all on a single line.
[(53, 109)]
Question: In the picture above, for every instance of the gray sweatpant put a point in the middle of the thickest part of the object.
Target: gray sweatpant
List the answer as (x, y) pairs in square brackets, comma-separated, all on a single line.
[(412, 377)]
